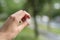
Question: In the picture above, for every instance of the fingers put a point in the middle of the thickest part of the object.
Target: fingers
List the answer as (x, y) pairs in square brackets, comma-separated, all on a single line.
[(24, 24), (18, 15), (13, 20), (28, 15)]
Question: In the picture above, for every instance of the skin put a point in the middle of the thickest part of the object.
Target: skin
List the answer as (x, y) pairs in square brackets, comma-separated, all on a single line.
[(11, 27)]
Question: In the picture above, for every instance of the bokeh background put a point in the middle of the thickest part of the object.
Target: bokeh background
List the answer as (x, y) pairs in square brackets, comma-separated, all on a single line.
[(45, 20)]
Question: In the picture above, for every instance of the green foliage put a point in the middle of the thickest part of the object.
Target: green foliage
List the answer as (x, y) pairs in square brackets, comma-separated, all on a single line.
[(14, 5), (0, 8), (26, 34), (43, 7)]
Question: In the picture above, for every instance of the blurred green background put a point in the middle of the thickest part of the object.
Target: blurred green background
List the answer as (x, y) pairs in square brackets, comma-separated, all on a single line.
[(45, 20)]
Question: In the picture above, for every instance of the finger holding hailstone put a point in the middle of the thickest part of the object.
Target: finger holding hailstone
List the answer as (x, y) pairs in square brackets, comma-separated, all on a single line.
[(21, 15)]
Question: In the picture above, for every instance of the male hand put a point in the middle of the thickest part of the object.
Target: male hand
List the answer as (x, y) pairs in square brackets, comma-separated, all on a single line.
[(13, 25)]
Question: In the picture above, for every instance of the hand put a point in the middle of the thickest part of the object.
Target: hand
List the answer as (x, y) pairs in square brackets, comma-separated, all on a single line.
[(13, 25)]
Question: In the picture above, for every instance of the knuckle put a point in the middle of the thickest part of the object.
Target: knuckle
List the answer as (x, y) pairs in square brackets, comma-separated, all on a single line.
[(13, 17)]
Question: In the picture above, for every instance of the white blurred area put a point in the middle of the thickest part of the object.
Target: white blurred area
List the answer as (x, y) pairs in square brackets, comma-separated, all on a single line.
[(45, 18), (17, 1), (57, 5), (54, 23)]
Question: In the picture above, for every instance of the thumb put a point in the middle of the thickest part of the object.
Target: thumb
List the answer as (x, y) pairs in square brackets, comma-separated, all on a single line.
[(22, 26)]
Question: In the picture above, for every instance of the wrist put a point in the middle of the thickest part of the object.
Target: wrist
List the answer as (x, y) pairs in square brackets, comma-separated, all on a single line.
[(3, 36), (4, 39)]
